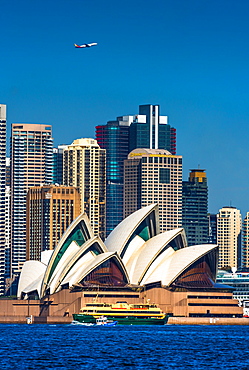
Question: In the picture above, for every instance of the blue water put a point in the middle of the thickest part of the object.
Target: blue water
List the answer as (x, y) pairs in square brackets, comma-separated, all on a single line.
[(123, 347)]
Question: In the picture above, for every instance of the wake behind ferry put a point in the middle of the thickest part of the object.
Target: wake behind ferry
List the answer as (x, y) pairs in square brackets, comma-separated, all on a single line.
[(123, 313)]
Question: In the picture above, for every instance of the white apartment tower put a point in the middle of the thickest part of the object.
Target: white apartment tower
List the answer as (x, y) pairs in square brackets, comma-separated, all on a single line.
[(2, 194), (229, 237), (84, 167), (31, 151), (154, 176)]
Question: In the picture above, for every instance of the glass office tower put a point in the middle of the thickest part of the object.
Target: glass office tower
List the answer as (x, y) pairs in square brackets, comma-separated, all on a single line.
[(195, 208), (150, 130), (58, 164), (245, 242), (114, 137)]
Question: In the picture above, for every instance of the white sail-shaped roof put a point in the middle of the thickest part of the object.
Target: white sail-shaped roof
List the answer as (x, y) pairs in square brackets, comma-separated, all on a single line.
[(151, 249), (133, 251), (157, 268), (31, 271), (70, 257), (74, 275), (35, 286), (85, 233), (119, 237), (46, 255), (74, 279), (167, 268)]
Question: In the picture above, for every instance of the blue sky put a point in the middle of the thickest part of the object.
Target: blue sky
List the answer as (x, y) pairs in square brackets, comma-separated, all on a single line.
[(189, 56)]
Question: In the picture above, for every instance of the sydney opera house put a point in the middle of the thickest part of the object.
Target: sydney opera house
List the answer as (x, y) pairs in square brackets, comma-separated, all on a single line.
[(136, 263)]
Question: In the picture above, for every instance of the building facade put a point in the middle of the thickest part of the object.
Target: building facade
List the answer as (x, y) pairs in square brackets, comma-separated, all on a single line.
[(84, 167), (7, 220), (114, 138), (150, 130), (195, 207), (31, 150), (245, 242), (58, 164), (212, 228), (229, 237), (2, 195), (50, 211), (154, 176)]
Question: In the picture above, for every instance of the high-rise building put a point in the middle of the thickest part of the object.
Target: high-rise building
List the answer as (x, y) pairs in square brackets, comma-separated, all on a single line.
[(195, 207), (31, 150), (7, 171), (212, 228), (150, 130), (58, 164), (146, 130), (50, 211), (7, 221), (229, 237), (2, 194), (154, 176), (84, 167), (245, 242), (114, 138)]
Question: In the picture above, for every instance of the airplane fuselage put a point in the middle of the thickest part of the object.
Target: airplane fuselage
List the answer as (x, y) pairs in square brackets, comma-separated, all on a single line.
[(85, 45)]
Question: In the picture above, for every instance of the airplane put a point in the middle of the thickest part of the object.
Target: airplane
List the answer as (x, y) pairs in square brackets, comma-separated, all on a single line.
[(85, 45)]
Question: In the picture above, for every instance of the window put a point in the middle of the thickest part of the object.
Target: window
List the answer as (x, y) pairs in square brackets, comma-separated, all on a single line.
[(164, 175)]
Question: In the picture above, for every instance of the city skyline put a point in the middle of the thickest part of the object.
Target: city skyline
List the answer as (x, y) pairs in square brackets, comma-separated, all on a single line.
[(188, 57)]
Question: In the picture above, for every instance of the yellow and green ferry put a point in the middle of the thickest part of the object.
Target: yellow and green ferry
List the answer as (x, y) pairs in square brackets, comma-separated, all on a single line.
[(123, 313)]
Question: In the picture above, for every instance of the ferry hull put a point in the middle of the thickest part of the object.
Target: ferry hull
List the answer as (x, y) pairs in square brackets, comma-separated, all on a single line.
[(89, 319)]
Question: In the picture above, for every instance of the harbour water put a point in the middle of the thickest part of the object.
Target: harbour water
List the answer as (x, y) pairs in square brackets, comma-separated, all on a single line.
[(123, 347)]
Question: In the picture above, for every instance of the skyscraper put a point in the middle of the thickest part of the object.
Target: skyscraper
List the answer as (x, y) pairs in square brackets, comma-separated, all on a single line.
[(31, 150), (50, 211), (195, 207), (7, 221), (150, 130), (146, 130), (229, 237), (58, 164), (114, 138), (154, 176), (245, 242), (84, 167), (212, 225), (2, 194)]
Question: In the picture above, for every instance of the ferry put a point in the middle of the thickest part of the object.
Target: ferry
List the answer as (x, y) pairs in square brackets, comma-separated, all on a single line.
[(123, 313)]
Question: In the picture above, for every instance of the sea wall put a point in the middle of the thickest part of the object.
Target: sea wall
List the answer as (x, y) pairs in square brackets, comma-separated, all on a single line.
[(208, 321)]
